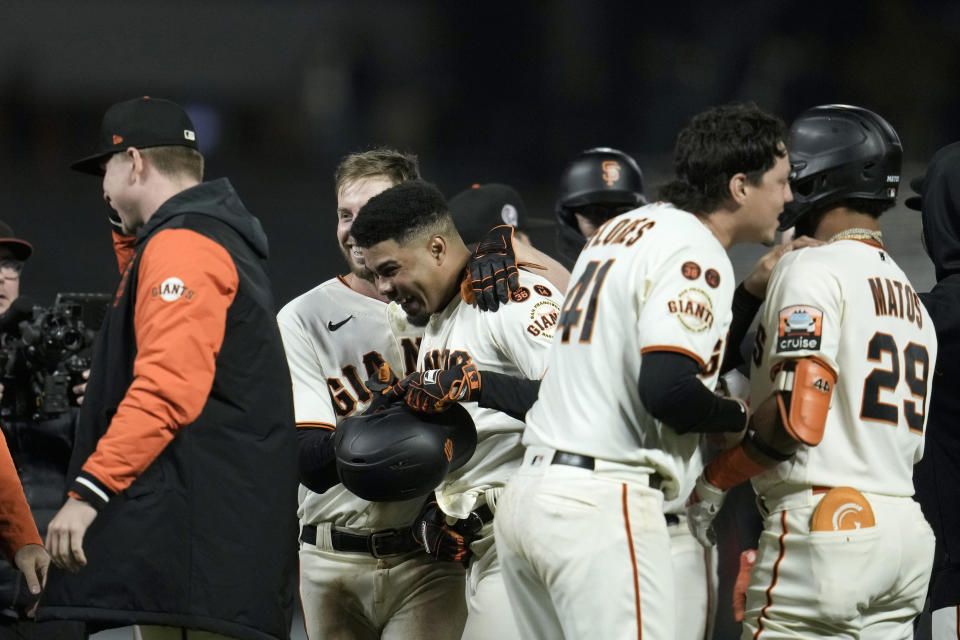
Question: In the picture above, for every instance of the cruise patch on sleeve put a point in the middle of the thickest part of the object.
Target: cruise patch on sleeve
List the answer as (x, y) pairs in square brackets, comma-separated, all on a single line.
[(694, 308), (800, 329), (172, 289)]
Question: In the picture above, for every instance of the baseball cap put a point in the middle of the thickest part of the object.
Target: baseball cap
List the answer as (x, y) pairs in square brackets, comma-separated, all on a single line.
[(915, 202), (481, 207), (12, 246), (142, 123)]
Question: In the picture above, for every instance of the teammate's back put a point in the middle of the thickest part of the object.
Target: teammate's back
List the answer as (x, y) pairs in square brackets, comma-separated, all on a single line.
[(648, 280), (863, 317)]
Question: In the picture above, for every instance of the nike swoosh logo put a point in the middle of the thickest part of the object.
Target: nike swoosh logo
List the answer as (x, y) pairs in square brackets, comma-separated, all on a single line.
[(334, 327)]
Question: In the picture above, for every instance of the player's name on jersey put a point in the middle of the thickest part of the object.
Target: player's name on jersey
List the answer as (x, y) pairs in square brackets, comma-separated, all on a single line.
[(625, 231), (896, 299)]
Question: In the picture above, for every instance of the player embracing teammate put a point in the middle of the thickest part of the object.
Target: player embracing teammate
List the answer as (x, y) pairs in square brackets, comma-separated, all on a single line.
[(616, 430), (841, 377)]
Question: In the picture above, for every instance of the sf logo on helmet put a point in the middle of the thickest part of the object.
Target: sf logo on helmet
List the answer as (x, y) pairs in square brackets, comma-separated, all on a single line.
[(611, 172)]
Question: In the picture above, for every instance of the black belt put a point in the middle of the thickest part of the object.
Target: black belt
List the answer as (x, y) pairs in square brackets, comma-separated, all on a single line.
[(590, 463), (388, 542)]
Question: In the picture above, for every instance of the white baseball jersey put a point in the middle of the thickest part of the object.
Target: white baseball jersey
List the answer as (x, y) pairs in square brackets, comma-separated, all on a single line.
[(653, 279), (849, 304), (335, 339), (514, 340)]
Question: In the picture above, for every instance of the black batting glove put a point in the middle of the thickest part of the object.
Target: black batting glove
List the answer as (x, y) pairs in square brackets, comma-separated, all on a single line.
[(449, 543), (493, 269), (383, 387), (436, 390)]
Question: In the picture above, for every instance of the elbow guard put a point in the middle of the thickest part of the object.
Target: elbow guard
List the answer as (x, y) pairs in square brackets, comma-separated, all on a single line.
[(804, 388)]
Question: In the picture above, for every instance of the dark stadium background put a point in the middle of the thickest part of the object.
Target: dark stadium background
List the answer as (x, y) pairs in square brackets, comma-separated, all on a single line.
[(491, 91)]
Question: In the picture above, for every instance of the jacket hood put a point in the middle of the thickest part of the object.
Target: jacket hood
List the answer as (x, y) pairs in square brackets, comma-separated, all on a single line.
[(941, 210), (216, 199)]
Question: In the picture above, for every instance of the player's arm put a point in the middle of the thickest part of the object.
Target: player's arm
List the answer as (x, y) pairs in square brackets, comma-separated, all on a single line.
[(316, 420), (186, 283), (794, 414), (17, 527), (749, 295), (436, 390), (672, 392)]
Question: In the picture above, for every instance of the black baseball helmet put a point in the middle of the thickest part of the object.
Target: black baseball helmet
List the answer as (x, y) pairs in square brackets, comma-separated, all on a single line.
[(599, 176), (398, 454), (839, 152)]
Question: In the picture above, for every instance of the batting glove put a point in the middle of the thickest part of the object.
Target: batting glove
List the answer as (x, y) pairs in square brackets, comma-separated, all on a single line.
[(383, 387), (702, 507), (439, 538), (493, 269), (435, 390)]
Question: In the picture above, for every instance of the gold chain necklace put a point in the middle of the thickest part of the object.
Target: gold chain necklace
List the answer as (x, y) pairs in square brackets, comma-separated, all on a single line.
[(859, 234)]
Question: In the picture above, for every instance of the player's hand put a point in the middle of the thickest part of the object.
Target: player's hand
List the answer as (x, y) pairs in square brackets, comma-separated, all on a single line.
[(436, 390), (758, 278), (65, 534), (80, 389), (383, 387), (702, 507), (33, 561), (493, 269), (747, 559), (442, 539)]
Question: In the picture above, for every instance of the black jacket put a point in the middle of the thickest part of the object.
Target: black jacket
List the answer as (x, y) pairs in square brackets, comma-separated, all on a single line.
[(937, 476), (206, 537)]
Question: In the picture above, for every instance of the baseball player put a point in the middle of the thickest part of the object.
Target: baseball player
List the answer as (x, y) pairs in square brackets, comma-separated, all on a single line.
[(636, 352), (597, 185), (937, 476), (362, 575), (841, 376), (418, 256), (361, 572)]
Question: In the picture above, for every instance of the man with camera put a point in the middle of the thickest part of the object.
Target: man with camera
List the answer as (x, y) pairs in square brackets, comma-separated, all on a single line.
[(39, 444)]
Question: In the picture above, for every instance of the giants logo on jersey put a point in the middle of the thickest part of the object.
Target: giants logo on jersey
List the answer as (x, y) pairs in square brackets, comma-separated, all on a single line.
[(694, 308), (544, 316), (800, 329)]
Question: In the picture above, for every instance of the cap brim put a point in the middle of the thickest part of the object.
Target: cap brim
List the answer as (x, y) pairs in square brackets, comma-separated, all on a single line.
[(91, 164), (913, 202), (536, 223), (21, 249)]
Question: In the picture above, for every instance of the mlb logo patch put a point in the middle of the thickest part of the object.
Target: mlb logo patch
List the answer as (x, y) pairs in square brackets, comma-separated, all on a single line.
[(800, 329)]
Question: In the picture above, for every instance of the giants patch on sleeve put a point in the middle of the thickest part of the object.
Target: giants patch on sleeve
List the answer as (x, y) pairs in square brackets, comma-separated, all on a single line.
[(694, 308), (172, 289), (800, 329), (543, 318)]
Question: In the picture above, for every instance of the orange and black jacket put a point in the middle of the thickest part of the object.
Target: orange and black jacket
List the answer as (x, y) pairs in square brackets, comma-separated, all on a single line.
[(16, 523), (186, 442)]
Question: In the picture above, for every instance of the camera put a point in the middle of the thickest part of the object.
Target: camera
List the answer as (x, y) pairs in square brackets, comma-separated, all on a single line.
[(45, 350)]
